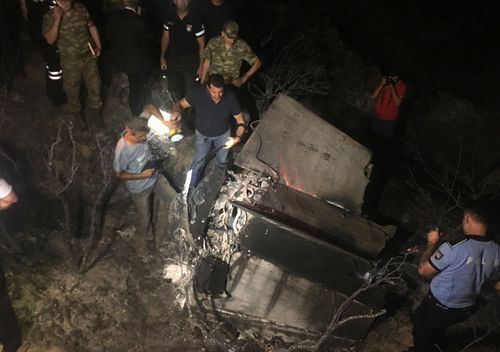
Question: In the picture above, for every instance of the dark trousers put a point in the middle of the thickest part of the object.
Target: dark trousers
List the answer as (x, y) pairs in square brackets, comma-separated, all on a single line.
[(384, 129), (54, 79), (10, 334), (138, 91), (181, 74), (431, 319)]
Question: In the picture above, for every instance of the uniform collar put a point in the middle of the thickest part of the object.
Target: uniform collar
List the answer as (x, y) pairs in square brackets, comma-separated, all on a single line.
[(484, 238)]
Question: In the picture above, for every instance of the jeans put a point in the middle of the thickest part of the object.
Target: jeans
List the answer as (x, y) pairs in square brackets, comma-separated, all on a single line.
[(202, 147), (162, 190)]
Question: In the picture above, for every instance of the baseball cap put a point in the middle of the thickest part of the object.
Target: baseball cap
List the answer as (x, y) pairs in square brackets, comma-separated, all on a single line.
[(231, 29)]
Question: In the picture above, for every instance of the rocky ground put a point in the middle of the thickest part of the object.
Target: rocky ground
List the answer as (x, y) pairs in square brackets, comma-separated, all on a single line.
[(76, 288)]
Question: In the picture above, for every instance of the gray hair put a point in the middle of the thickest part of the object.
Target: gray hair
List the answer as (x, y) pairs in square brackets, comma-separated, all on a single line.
[(137, 124)]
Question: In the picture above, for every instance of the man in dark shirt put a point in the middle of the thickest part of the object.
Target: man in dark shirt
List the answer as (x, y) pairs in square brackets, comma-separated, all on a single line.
[(214, 14), (182, 45), (214, 108), (130, 52)]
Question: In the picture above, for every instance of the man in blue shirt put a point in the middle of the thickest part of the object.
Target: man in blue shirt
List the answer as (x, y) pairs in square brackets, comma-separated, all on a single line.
[(459, 270), (132, 164)]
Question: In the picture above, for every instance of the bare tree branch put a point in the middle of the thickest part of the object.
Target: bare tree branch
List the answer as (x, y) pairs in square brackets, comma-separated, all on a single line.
[(390, 273), (295, 71)]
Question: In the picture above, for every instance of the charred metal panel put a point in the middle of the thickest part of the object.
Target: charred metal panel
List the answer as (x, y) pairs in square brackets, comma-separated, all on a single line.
[(272, 302), (323, 221), (309, 154), (306, 256)]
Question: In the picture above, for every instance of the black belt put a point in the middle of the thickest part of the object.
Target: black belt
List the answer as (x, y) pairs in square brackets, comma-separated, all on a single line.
[(442, 306)]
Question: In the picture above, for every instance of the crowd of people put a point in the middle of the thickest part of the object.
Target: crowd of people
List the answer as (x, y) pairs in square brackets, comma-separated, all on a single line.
[(206, 64), (200, 52)]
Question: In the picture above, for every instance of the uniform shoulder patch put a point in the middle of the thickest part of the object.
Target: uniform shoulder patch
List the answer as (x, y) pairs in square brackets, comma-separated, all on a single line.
[(438, 254)]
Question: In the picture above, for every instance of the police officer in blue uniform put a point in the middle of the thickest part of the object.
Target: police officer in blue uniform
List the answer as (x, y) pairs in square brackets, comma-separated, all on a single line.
[(459, 269)]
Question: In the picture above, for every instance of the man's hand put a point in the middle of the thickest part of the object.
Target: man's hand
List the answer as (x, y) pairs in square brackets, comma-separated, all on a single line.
[(175, 116), (163, 63), (238, 82), (147, 173), (231, 142), (57, 12), (424, 267), (433, 236)]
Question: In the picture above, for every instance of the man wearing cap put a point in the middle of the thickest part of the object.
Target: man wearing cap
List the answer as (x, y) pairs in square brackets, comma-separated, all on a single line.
[(214, 14), (224, 55)]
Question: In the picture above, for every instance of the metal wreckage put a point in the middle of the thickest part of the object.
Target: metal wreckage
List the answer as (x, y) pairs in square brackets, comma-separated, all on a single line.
[(277, 247)]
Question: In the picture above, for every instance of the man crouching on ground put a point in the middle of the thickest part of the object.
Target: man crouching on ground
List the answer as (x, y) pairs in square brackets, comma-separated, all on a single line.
[(133, 164)]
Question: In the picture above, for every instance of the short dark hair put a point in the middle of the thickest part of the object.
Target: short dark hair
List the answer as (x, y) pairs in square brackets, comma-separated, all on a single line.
[(215, 80), (137, 124), (478, 212)]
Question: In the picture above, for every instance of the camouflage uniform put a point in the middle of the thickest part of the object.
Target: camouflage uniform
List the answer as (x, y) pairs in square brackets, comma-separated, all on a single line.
[(228, 62), (76, 59)]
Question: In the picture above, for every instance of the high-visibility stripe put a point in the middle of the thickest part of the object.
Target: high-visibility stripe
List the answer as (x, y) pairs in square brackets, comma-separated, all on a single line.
[(200, 33), (55, 78), (165, 27)]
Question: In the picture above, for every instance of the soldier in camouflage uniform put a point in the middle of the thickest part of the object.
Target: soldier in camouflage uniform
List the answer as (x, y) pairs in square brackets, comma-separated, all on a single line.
[(224, 55), (70, 26)]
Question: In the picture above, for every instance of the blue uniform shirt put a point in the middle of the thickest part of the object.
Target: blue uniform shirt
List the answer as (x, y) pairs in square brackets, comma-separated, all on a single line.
[(463, 268)]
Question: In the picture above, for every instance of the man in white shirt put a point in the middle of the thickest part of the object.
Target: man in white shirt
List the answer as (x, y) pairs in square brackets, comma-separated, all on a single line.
[(10, 334)]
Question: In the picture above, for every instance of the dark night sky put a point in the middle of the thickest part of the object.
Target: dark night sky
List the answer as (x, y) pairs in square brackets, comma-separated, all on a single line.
[(445, 44)]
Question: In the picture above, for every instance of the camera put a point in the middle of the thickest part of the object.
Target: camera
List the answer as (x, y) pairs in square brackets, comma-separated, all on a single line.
[(390, 80)]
